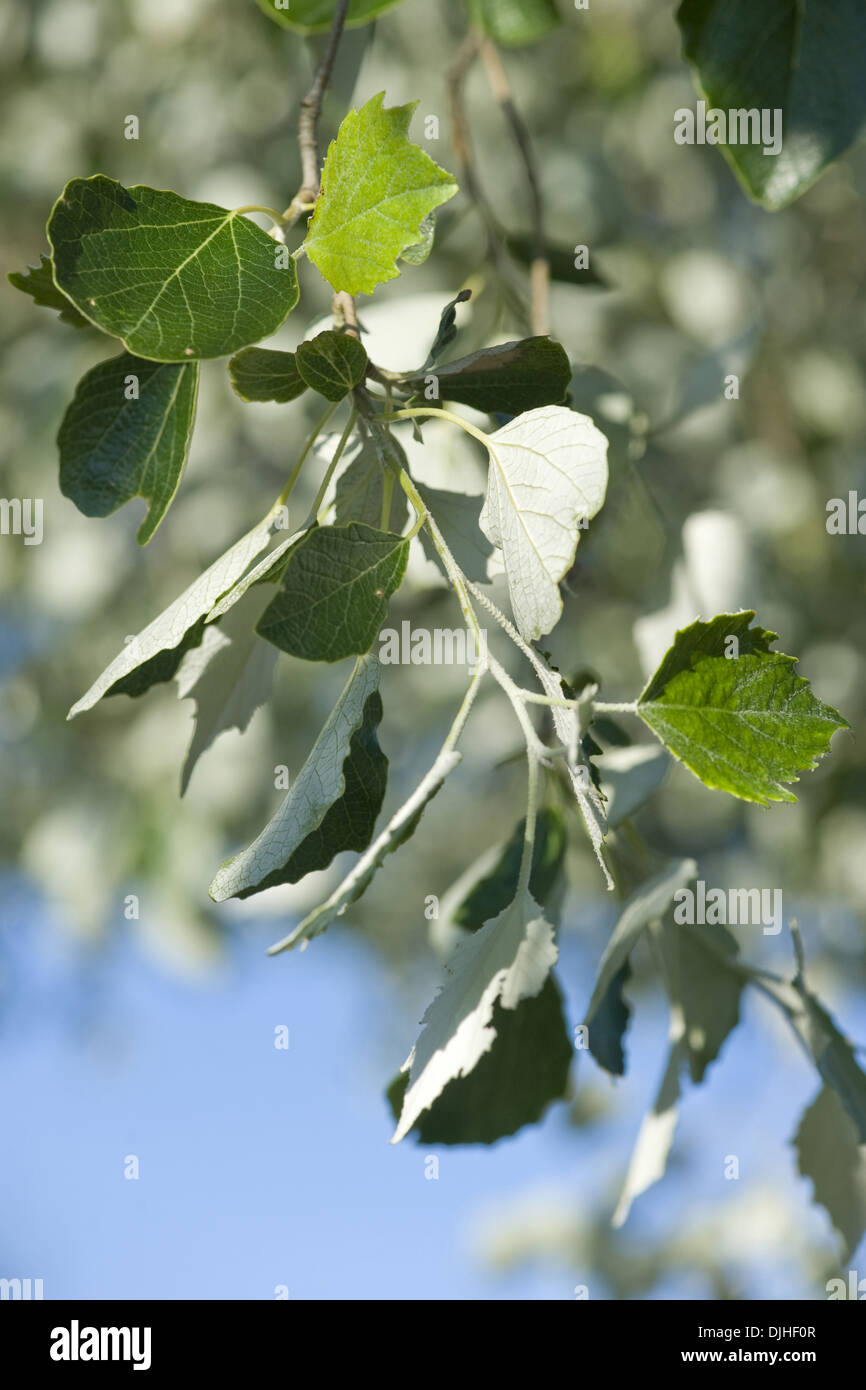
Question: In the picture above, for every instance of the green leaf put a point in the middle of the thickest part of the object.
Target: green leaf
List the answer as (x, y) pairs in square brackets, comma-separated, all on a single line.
[(655, 1138), (228, 676), (507, 961), (332, 363), (333, 803), (829, 1154), (335, 590), (707, 993), (170, 635), (447, 330), (548, 472), (457, 516), (560, 259), (511, 1086), (514, 22), (743, 724), (359, 494), (399, 829), (38, 281), (834, 1055), (802, 57), (420, 252), (512, 377), (113, 448), (263, 374), (648, 903), (492, 893), (172, 278), (377, 188), (314, 16)]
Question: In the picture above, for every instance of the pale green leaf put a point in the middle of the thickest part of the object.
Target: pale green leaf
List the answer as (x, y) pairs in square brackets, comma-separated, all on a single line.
[(164, 637), (515, 22), (228, 676), (831, 1156), (377, 188), (655, 1138), (315, 16), (548, 473), (400, 828), (331, 806), (507, 961)]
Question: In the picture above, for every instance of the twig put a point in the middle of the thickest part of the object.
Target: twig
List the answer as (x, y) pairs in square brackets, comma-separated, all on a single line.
[(345, 315), (539, 275), (311, 106), (455, 78)]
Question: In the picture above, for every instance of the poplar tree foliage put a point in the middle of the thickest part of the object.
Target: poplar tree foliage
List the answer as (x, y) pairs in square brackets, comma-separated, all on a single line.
[(173, 281)]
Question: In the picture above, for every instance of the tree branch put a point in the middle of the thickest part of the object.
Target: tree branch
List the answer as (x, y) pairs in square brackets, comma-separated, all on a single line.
[(311, 106), (540, 269)]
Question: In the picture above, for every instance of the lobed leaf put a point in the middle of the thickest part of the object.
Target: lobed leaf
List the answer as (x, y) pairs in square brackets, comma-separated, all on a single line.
[(113, 448), (377, 189), (743, 724), (38, 281)]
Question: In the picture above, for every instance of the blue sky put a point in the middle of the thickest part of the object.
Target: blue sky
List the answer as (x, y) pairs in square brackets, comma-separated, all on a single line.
[(262, 1167)]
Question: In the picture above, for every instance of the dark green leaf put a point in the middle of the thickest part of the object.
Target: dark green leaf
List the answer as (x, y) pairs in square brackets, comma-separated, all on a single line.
[(559, 258), (801, 57), (332, 363), (649, 903), (743, 723), (492, 893), (263, 374), (359, 494), (457, 515), (172, 278), (38, 281), (447, 330), (511, 377), (400, 828), (335, 590), (333, 803), (113, 448), (834, 1056), (706, 991), (526, 1068)]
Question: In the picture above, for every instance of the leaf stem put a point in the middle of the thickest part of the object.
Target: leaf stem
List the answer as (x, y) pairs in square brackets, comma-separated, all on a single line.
[(272, 213), (296, 471), (408, 412), (315, 510)]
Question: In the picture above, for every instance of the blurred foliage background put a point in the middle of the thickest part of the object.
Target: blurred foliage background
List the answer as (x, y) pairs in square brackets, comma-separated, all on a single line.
[(713, 503)]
